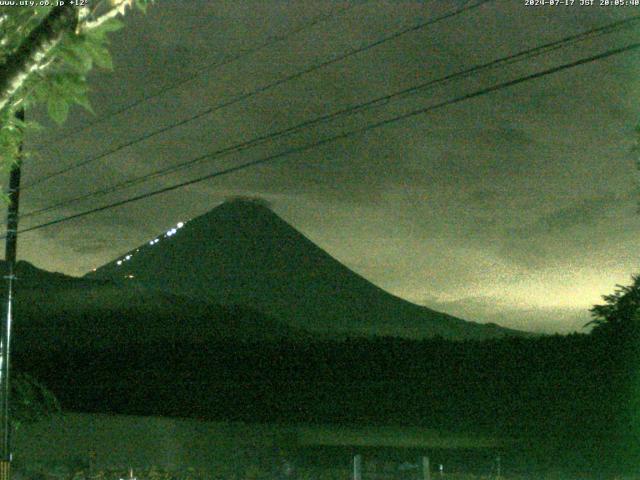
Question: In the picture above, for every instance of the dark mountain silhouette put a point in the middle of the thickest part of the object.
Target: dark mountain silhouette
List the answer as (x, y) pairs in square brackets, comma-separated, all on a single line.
[(242, 253), (56, 311)]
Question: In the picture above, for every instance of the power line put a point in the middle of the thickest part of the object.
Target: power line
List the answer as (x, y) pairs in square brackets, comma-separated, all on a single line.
[(507, 60), (256, 91), (340, 136), (199, 71)]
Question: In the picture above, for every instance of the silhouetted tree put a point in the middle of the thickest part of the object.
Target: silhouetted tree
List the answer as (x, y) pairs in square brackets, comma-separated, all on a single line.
[(31, 400), (621, 311), (46, 54)]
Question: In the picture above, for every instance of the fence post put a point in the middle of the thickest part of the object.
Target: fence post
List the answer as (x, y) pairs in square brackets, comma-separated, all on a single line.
[(426, 469), (357, 467)]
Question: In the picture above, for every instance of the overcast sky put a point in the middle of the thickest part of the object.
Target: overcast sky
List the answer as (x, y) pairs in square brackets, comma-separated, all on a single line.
[(517, 207)]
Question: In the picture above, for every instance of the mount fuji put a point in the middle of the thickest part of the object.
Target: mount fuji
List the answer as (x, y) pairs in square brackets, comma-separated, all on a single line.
[(241, 253)]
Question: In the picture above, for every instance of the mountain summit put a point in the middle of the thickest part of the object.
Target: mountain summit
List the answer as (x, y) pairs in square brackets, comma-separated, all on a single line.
[(242, 253)]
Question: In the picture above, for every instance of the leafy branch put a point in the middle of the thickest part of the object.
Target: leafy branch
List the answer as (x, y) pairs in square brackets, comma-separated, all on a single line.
[(46, 54)]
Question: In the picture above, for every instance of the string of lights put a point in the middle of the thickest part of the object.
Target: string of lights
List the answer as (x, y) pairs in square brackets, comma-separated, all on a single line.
[(341, 136), (180, 83), (252, 93), (501, 62)]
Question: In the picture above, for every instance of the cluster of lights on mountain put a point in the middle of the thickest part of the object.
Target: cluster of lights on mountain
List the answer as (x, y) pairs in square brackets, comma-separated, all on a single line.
[(168, 233)]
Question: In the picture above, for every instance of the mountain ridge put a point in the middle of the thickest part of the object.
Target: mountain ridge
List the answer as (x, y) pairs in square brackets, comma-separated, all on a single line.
[(56, 311), (243, 253)]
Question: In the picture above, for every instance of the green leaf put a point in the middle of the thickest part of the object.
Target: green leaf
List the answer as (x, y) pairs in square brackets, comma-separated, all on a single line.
[(109, 26), (68, 86), (83, 100), (141, 5), (58, 109), (100, 55), (77, 56)]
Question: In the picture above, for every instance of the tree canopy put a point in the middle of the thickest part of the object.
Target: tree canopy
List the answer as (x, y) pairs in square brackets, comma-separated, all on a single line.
[(45, 56), (621, 310)]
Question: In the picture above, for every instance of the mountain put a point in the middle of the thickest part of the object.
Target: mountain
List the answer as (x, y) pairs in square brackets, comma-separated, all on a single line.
[(242, 253), (59, 312)]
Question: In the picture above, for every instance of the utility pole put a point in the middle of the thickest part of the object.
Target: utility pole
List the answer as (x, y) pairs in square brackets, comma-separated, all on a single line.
[(426, 469), (5, 330), (357, 467)]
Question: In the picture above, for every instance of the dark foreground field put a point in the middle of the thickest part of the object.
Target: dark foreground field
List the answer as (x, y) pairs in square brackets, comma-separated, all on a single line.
[(105, 446), (552, 403)]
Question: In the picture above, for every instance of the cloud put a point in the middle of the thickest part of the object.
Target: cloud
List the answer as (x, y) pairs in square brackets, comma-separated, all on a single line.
[(256, 200), (581, 213), (509, 314)]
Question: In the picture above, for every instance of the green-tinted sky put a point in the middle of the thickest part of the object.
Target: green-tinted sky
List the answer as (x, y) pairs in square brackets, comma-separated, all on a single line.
[(517, 207)]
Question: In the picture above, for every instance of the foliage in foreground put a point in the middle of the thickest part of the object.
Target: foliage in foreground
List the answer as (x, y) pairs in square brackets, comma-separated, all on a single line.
[(46, 53), (30, 400)]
